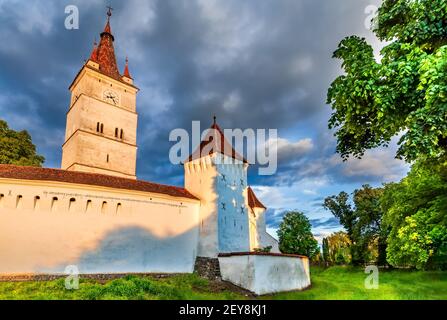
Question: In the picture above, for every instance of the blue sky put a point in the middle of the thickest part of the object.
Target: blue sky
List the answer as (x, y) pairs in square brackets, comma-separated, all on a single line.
[(255, 64)]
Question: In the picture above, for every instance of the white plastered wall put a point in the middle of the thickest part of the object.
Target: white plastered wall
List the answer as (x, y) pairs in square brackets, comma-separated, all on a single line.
[(46, 226), (266, 274)]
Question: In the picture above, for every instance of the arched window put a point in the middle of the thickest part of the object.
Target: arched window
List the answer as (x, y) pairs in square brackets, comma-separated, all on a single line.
[(19, 201), (104, 207), (108, 158), (102, 127), (71, 205), (54, 202), (122, 134), (36, 202), (97, 127), (116, 132), (88, 206)]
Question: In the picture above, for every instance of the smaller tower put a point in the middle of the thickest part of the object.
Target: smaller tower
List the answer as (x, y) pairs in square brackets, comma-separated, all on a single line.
[(217, 174)]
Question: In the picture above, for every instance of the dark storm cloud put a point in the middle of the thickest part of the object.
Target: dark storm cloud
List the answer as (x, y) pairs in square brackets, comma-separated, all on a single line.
[(255, 64)]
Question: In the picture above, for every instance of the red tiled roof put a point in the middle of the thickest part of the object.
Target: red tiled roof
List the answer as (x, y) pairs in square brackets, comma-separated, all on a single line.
[(253, 201), (92, 179), (106, 53), (94, 55), (215, 141)]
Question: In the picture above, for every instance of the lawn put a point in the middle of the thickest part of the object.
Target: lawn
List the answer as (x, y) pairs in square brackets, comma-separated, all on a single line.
[(331, 283)]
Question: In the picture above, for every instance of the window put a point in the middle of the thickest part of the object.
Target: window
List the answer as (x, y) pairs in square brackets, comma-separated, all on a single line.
[(97, 127), (36, 202), (122, 134), (104, 207), (102, 128), (2, 199), (54, 202), (71, 205), (108, 158), (19, 201), (116, 132), (89, 205), (119, 207)]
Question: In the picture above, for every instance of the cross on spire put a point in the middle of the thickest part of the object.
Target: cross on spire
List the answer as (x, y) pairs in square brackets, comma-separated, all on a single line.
[(109, 12)]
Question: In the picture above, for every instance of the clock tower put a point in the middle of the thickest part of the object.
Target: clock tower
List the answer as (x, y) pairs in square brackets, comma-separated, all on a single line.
[(101, 124)]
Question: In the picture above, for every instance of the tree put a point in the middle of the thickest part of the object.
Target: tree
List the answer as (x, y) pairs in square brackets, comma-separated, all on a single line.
[(369, 226), (405, 93), (341, 208), (362, 222), (326, 256), (339, 248), (416, 213), (295, 235), (16, 147)]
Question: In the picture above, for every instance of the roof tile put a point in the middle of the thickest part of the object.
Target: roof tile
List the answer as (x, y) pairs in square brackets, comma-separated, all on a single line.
[(92, 179)]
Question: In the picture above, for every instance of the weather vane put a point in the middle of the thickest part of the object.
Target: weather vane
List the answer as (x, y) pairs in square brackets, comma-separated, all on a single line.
[(109, 13)]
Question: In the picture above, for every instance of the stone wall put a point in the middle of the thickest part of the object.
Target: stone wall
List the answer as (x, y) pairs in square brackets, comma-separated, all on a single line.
[(208, 268)]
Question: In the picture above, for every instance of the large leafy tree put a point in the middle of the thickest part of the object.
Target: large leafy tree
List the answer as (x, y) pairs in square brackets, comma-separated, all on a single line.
[(295, 235), (416, 213), (362, 222), (404, 93), (16, 147)]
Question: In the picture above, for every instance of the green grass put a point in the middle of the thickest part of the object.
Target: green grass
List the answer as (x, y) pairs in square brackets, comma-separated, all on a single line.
[(347, 283), (333, 283), (190, 287)]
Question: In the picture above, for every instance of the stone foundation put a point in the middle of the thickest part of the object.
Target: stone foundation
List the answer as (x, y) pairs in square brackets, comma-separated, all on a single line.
[(208, 268), (99, 277)]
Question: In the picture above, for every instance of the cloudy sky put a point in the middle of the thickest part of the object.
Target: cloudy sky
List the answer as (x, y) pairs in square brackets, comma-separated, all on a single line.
[(253, 63)]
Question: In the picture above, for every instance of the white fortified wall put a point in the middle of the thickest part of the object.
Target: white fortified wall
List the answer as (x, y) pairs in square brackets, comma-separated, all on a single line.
[(46, 226)]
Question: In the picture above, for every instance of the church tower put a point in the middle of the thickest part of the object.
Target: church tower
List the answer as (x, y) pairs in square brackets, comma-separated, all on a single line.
[(101, 129)]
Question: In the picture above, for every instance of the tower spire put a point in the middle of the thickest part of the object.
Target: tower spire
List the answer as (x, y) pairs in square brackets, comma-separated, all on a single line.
[(106, 52)]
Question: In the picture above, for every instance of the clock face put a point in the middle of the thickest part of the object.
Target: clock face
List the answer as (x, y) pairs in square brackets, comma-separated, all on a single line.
[(110, 97)]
